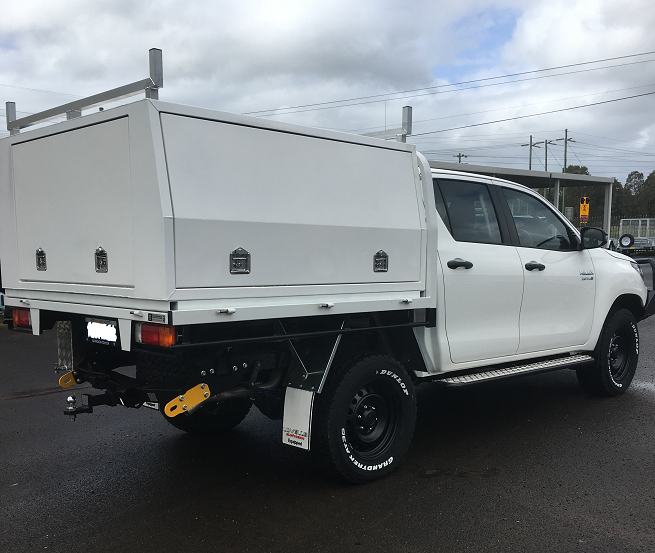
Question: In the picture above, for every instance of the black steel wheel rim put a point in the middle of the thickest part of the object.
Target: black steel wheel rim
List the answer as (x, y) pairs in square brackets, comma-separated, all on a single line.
[(619, 355), (373, 419)]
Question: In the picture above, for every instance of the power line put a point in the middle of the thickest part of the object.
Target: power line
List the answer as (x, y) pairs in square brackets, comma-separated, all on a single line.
[(454, 90), (534, 114), (618, 150), (608, 138), (385, 95), (511, 107), (535, 103), (39, 90)]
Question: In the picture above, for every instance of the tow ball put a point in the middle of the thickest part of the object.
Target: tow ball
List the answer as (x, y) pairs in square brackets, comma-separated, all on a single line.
[(91, 401), (70, 410)]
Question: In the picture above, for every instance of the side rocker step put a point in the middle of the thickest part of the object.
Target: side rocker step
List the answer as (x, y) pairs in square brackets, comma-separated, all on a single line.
[(504, 372)]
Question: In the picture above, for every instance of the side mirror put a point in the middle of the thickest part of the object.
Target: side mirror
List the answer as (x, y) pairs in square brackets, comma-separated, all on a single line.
[(592, 238)]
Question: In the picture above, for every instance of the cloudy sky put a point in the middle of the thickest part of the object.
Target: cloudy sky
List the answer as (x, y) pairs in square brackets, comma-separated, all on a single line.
[(361, 61)]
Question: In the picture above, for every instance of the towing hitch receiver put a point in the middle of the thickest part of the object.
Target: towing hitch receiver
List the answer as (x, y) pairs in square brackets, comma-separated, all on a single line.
[(90, 401)]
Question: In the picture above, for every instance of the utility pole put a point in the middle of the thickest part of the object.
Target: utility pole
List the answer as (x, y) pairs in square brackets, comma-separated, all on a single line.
[(460, 156), (566, 140), (546, 142), (532, 145)]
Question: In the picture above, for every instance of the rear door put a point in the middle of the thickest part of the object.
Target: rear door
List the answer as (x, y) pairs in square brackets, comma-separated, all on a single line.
[(560, 287), (483, 277)]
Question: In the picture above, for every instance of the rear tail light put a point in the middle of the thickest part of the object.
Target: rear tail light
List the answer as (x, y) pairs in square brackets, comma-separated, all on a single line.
[(155, 335), (22, 317)]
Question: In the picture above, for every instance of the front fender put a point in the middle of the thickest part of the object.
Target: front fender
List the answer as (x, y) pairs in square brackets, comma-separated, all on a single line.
[(617, 285)]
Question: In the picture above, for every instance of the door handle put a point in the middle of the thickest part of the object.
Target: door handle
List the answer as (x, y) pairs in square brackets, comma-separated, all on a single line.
[(459, 262), (534, 265)]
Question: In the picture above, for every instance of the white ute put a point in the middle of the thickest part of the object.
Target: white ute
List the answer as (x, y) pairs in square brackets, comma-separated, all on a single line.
[(315, 274)]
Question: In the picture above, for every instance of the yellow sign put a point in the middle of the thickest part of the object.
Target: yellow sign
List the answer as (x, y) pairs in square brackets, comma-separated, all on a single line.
[(584, 209)]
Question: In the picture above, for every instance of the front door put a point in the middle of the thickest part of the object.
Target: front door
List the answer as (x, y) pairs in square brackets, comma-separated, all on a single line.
[(559, 288)]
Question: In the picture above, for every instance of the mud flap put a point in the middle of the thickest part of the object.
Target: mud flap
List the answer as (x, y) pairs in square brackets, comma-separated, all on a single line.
[(297, 421)]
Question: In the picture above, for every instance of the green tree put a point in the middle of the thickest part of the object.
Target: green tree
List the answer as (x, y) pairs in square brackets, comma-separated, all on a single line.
[(620, 199), (634, 183), (646, 196), (577, 170)]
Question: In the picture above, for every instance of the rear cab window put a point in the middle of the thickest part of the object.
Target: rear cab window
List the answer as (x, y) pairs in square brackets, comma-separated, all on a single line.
[(467, 210)]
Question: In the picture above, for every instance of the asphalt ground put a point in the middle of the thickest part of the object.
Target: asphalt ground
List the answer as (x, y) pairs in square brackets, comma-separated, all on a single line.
[(530, 464)]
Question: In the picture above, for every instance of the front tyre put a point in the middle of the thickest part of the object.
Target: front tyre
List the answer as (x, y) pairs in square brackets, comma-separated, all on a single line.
[(364, 419), (617, 354)]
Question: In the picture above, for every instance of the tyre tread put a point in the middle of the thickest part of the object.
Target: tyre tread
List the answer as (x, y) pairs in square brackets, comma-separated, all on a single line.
[(328, 458)]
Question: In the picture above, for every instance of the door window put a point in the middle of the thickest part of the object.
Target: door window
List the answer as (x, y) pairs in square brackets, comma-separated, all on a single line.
[(470, 212), (537, 225)]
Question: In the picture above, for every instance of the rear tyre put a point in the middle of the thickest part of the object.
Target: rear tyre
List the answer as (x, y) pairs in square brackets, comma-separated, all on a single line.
[(364, 419), (214, 418), (617, 354)]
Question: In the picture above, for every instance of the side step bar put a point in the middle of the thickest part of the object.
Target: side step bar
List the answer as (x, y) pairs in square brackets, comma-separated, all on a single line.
[(495, 374)]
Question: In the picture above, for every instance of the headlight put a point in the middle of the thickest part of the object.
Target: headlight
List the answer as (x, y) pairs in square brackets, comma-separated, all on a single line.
[(637, 268)]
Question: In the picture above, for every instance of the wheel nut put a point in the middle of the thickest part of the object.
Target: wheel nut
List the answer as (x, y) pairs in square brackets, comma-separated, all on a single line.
[(206, 394), (245, 365), (211, 371), (203, 386), (202, 373), (235, 368)]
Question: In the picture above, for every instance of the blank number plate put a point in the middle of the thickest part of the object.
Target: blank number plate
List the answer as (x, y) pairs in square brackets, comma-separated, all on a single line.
[(101, 331)]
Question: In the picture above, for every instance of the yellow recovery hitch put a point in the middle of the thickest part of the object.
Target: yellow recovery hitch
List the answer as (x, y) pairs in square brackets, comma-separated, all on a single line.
[(186, 402), (67, 380)]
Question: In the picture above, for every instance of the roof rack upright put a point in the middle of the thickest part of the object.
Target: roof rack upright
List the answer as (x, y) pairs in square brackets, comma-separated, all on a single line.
[(400, 133), (151, 86)]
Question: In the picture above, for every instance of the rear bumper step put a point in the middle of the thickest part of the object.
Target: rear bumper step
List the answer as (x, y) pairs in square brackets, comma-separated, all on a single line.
[(506, 372)]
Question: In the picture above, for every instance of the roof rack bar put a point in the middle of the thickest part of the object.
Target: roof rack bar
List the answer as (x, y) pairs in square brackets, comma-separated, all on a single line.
[(401, 133), (74, 109)]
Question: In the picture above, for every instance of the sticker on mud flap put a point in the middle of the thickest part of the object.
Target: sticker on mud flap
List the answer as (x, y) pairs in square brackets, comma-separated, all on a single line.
[(297, 421)]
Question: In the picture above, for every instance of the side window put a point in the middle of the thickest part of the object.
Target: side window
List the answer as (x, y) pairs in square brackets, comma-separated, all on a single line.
[(440, 204), (470, 212), (536, 224)]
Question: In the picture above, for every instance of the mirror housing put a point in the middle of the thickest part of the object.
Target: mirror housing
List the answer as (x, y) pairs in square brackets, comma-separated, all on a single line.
[(592, 237)]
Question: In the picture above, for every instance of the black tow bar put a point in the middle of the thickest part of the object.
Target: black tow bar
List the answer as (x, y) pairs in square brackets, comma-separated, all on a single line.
[(92, 401)]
